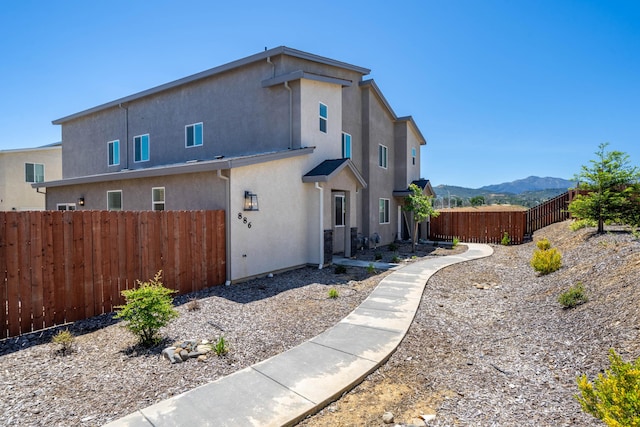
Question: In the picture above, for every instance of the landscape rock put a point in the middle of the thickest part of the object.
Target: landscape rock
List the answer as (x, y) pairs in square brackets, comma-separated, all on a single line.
[(387, 418)]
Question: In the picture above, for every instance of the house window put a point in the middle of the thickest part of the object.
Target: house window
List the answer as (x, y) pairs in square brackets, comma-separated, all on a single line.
[(339, 219), (193, 135), (114, 200), (384, 211), (323, 118), (157, 197), (114, 152), (346, 146), (33, 172), (382, 156), (66, 206), (141, 148), (413, 155)]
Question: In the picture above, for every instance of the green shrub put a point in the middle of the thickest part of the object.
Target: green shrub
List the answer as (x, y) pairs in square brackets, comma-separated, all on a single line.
[(377, 256), (64, 340), (340, 269), (546, 261), (456, 242), (396, 259), (371, 268), (221, 347), (333, 293), (392, 247), (148, 308), (576, 295), (615, 396), (506, 240), (543, 244), (582, 223)]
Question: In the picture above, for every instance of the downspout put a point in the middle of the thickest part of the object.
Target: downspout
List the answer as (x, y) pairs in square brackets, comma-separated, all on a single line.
[(272, 65), (286, 86), (126, 134), (227, 223), (321, 246)]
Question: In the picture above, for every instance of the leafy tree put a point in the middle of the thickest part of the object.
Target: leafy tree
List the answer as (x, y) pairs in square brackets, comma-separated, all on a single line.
[(612, 184), (421, 207), (477, 201)]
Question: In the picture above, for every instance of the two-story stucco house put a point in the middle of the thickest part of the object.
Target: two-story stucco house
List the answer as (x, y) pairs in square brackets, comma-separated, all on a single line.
[(20, 168), (302, 153)]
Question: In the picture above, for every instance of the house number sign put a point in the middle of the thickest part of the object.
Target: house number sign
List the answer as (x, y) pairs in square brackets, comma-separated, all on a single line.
[(244, 220)]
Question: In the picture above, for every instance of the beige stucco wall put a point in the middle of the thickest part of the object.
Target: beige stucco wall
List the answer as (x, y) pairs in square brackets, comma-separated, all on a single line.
[(15, 193), (281, 235), (328, 145)]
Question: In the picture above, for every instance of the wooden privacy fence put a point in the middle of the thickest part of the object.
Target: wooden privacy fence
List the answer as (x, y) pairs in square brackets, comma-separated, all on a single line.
[(478, 227), (489, 227), (58, 267)]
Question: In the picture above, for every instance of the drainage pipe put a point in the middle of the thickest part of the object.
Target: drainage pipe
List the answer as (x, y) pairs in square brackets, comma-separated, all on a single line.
[(321, 245), (227, 224), (126, 135)]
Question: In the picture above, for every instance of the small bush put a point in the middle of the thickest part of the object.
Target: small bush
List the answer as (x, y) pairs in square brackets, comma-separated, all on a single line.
[(148, 308), (576, 295), (333, 293), (615, 396), (64, 340), (546, 261), (396, 259), (371, 268), (506, 240), (377, 256), (582, 223), (340, 269), (543, 244), (392, 247), (221, 347), (456, 242)]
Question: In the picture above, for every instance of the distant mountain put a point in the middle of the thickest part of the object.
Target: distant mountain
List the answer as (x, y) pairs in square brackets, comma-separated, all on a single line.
[(527, 192), (532, 183)]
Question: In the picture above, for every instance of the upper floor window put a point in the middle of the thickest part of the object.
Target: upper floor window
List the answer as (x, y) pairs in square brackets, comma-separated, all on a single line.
[(384, 211), (33, 172), (141, 148), (413, 155), (157, 198), (339, 219), (346, 146), (193, 135), (323, 118), (114, 200), (383, 156), (114, 152)]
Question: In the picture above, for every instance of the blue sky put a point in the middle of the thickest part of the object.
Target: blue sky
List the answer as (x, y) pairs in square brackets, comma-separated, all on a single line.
[(501, 89)]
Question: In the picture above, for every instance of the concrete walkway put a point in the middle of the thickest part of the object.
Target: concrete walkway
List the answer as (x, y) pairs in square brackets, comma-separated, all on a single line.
[(285, 388)]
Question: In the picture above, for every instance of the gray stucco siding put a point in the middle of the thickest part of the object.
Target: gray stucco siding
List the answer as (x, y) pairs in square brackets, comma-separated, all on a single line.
[(196, 191)]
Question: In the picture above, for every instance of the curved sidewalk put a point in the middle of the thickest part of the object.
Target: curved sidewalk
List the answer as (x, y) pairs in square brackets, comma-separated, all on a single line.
[(285, 388)]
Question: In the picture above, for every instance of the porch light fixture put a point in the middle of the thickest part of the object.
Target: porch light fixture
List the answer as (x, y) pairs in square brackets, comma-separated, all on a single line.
[(81, 201), (250, 201)]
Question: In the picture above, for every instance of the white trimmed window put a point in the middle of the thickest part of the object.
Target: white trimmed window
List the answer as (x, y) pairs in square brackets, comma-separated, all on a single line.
[(33, 172), (384, 211), (413, 155), (141, 148), (383, 156), (346, 145), (193, 135), (66, 206), (113, 147), (339, 216), (114, 200), (157, 198), (324, 116)]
